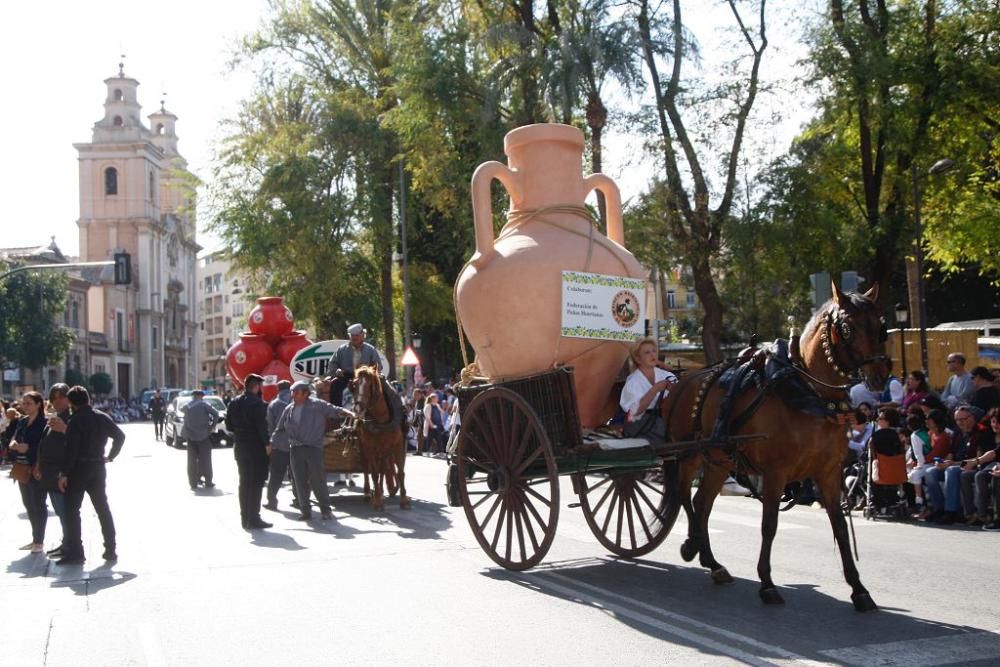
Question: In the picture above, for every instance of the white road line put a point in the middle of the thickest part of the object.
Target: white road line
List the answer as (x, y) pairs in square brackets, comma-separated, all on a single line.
[(949, 650), (578, 588)]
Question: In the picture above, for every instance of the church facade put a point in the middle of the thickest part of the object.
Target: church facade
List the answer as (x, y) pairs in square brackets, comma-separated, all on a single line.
[(137, 196)]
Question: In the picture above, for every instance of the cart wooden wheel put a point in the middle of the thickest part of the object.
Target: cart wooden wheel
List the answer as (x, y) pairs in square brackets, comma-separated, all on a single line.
[(513, 508), (630, 512)]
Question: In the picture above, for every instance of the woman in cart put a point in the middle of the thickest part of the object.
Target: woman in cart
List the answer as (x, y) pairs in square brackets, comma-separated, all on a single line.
[(645, 387)]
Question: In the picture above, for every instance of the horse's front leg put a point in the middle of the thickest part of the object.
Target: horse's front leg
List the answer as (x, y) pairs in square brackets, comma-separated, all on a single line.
[(708, 490), (829, 489), (774, 486), (692, 545)]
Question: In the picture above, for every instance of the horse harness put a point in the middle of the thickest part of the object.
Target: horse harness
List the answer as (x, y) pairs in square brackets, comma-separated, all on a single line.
[(395, 405)]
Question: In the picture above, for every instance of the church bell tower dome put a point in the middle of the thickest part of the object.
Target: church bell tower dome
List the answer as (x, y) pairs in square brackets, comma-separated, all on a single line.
[(122, 113)]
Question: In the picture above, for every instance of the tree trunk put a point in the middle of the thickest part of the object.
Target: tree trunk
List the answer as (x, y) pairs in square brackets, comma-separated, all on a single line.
[(711, 329), (597, 117)]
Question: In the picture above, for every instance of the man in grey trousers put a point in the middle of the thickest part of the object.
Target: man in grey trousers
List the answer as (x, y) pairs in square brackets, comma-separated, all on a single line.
[(199, 418), (304, 423), (280, 451)]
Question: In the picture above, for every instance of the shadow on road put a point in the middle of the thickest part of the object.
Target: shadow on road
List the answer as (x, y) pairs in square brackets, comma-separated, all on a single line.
[(425, 520), (681, 605), (274, 540), (99, 579)]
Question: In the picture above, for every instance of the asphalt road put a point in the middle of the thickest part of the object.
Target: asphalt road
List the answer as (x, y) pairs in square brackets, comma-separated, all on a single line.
[(412, 587)]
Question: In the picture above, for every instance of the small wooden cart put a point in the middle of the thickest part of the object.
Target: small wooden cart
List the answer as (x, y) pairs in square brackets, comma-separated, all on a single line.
[(519, 436)]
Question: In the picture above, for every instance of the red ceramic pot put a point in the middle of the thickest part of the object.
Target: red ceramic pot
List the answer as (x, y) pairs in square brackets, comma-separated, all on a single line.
[(290, 344), (271, 318), (275, 371), (248, 355)]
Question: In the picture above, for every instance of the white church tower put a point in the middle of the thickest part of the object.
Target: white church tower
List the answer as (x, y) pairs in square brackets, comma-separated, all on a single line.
[(136, 195)]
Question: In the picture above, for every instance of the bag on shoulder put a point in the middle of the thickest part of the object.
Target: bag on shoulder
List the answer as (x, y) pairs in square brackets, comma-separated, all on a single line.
[(20, 472)]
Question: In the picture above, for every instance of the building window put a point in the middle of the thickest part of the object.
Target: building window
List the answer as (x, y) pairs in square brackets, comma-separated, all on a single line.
[(118, 95), (159, 129), (76, 362), (690, 300), (152, 187), (99, 368), (120, 330), (217, 282), (74, 314), (118, 121), (671, 299), (156, 338), (110, 181)]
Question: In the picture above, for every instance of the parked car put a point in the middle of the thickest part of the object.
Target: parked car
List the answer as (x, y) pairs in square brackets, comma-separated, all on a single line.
[(174, 423)]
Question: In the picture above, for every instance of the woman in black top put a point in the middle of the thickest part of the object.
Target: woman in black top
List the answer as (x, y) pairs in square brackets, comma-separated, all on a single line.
[(24, 449)]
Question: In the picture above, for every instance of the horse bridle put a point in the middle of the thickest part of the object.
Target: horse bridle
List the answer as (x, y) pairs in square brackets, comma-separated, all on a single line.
[(837, 336)]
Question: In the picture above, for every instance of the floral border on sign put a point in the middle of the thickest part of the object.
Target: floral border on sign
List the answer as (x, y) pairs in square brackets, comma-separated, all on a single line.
[(603, 333), (606, 281)]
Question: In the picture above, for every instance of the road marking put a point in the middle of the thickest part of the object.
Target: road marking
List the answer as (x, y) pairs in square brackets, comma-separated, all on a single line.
[(588, 592), (957, 648)]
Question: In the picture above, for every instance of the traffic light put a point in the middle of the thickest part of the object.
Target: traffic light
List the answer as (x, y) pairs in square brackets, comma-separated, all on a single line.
[(123, 268)]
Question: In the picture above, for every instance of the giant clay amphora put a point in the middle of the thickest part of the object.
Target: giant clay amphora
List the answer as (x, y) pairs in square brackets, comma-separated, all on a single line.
[(509, 296), (271, 318)]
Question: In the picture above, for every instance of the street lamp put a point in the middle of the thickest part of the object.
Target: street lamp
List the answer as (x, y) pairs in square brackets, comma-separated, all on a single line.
[(902, 315), (938, 167)]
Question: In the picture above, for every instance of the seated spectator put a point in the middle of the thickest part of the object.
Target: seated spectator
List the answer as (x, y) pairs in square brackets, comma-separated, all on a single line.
[(916, 389), (986, 395), (920, 448), (981, 456), (958, 389), (859, 434), (891, 395), (943, 506)]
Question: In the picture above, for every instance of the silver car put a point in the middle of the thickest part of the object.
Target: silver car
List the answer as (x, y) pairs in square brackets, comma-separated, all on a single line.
[(174, 423)]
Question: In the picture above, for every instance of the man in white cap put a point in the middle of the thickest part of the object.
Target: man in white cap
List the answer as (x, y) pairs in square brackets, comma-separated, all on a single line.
[(349, 357), (304, 423)]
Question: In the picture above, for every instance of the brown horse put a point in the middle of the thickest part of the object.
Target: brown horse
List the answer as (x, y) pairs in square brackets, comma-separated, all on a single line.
[(846, 336), (383, 447)]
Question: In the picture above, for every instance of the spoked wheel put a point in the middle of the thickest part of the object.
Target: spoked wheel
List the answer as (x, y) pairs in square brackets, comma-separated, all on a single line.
[(630, 512), (513, 508)]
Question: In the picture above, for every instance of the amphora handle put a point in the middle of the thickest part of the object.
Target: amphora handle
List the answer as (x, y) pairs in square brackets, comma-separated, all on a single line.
[(482, 205), (613, 199)]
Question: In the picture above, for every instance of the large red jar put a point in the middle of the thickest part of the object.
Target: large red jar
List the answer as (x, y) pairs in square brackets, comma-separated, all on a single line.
[(248, 355), (290, 344), (275, 371), (271, 318)]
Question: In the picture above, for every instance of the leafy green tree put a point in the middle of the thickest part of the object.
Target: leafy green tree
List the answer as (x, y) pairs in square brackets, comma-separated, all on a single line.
[(902, 84), (74, 377), (31, 309), (101, 384)]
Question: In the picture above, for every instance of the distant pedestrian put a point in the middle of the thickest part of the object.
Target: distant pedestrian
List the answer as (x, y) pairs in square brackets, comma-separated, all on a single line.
[(199, 418), (52, 455), (84, 473), (158, 411), (280, 451), (24, 452), (246, 419)]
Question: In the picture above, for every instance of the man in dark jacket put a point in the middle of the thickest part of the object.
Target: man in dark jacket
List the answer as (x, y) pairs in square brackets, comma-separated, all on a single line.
[(246, 419), (52, 454), (84, 473), (158, 410)]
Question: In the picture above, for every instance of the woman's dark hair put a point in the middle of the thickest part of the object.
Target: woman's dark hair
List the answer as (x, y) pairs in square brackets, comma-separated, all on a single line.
[(915, 422), (921, 379), (35, 397), (859, 416), (939, 417), (933, 402), (891, 415)]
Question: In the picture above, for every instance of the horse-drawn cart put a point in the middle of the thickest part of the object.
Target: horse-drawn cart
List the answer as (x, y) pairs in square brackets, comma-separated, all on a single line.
[(519, 436)]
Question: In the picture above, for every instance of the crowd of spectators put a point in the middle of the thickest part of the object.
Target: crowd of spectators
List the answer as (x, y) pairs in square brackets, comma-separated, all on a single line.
[(951, 441)]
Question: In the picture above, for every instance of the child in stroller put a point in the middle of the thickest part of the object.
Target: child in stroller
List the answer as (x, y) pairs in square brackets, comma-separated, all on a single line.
[(876, 480)]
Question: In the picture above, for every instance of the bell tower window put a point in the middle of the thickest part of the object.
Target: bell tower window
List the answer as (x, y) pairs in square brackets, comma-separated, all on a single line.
[(159, 129), (118, 121), (110, 181), (118, 95)]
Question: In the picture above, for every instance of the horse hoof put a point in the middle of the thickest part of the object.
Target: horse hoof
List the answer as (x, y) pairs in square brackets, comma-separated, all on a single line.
[(722, 576), (863, 602), (689, 549), (404, 503), (771, 596)]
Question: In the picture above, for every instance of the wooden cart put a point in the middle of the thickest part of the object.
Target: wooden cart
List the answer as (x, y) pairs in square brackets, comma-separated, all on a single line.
[(518, 437)]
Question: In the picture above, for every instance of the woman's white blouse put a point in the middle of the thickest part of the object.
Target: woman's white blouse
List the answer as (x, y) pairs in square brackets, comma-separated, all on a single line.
[(636, 387)]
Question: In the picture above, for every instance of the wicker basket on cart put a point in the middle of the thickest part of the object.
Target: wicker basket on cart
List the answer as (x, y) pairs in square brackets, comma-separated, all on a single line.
[(341, 451)]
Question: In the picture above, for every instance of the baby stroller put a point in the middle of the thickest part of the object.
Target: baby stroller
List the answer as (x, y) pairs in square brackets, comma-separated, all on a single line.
[(885, 468)]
